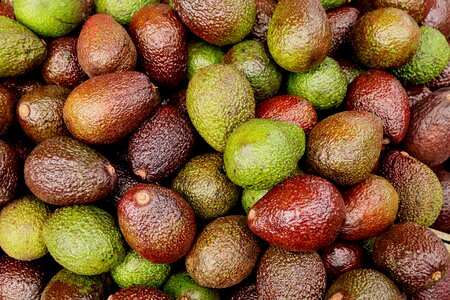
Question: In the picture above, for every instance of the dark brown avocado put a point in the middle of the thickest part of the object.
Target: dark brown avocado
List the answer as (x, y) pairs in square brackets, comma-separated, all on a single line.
[(8, 103), (9, 172), (341, 22)]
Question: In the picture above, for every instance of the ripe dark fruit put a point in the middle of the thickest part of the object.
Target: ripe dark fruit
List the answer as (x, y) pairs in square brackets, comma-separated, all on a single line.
[(442, 223), (341, 257), (9, 172), (246, 293), (8, 102), (438, 16), (264, 12), (341, 22), (417, 93), (139, 293)]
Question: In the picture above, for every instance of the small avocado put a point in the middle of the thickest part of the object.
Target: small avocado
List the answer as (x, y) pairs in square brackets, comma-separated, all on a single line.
[(299, 35), (182, 287), (9, 172), (8, 103), (204, 185), (438, 16), (412, 255), (254, 61), (264, 13), (68, 285), (106, 108), (134, 270), (341, 257), (157, 223), (15, 60), (21, 279), (362, 284), (218, 22), (376, 40), (442, 223), (40, 112), (84, 239), (420, 195), (104, 46), (121, 10), (345, 147), (61, 67), (202, 54), (64, 171), (161, 42), (219, 98), (161, 145), (287, 275), (21, 223), (341, 22), (224, 254), (246, 293), (319, 214)]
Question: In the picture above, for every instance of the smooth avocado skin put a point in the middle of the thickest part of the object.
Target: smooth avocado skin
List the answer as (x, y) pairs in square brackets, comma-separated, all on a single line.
[(181, 286), (15, 60)]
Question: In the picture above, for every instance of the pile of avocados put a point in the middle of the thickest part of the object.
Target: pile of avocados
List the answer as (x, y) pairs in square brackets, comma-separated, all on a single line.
[(224, 149)]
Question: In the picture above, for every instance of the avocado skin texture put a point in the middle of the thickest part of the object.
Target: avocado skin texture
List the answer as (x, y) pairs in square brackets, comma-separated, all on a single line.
[(40, 112), (15, 60), (202, 54), (412, 255), (264, 13), (161, 145), (341, 257), (219, 98), (442, 223), (299, 35), (224, 254), (420, 195), (320, 213), (203, 183), (286, 275), (417, 93), (180, 285), (385, 38), (341, 22), (441, 81), (345, 147), (429, 61), (362, 284), (8, 103), (140, 293), (251, 58), (250, 197), (418, 9), (382, 94), (67, 285), (438, 16), (7, 10), (161, 41), (21, 279), (436, 292), (106, 108), (246, 293), (61, 67), (64, 171), (330, 4), (121, 11), (157, 223), (428, 137), (218, 22), (104, 46), (9, 172)]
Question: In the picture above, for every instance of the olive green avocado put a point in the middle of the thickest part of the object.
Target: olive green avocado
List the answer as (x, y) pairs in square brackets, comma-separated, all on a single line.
[(202, 54), (181, 286), (121, 10)]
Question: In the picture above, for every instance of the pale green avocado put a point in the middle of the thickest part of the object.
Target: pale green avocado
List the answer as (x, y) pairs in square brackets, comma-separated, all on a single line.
[(121, 10)]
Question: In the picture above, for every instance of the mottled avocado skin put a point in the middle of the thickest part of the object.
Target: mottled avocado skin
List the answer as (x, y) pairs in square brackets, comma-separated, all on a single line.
[(139, 293), (9, 172), (341, 257), (8, 103)]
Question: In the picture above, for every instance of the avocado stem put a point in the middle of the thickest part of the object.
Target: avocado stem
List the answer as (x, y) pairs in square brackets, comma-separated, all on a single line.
[(110, 169), (337, 296), (142, 198), (436, 275), (24, 111), (141, 173), (404, 153)]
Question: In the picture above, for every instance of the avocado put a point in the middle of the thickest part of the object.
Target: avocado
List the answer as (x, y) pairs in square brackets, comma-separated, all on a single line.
[(319, 214), (345, 147), (182, 287), (428, 137), (161, 42), (376, 40), (380, 93), (250, 197), (21, 223), (162, 144), (121, 11), (252, 59), (262, 152), (418, 9), (299, 35), (15, 60), (40, 112), (64, 171), (7, 10), (324, 86), (438, 16), (61, 67), (21, 279), (157, 223), (51, 19), (417, 93), (246, 293), (139, 293), (442, 223), (370, 207), (22, 84), (202, 54), (342, 257), (330, 4), (420, 195), (412, 255), (218, 22), (204, 185), (224, 254), (84, 239), (134, 270), (350, 68), (104, 46), (287, 275), (68, 285), (443, 80), (430, 60), (106, 108), (264, 13), (218, 99), (9, 172), (341, 21), (362, 284), (437, 292), (8, 103)]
